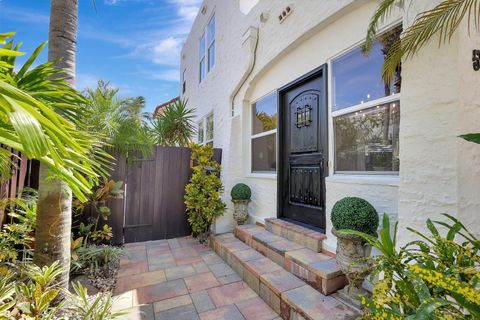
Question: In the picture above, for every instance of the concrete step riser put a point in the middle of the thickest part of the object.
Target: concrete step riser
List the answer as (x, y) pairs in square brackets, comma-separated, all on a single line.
[(326, 285), (300, 235), (289, 296)]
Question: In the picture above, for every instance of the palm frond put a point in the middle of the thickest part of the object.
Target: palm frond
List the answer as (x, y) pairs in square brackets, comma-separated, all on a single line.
[(383, 10), (443, 20)]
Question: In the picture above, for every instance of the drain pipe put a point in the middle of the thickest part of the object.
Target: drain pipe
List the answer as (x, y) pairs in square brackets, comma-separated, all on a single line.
[(250, 35)]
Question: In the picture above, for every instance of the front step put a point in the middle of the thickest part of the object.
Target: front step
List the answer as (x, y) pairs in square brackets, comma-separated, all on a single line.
[(317, 269), (298, 234), (288, 295)]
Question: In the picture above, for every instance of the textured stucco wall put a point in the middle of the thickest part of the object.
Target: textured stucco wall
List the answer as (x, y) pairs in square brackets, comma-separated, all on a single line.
[(440, 99)]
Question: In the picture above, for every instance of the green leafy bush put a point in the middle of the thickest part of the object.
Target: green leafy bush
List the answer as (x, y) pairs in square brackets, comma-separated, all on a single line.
[(355, 214), (96, 260), (241, 192), (202, 193), (433, 277), (32, 293)]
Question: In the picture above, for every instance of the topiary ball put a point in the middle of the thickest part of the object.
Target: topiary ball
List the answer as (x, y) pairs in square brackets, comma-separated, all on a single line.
[(355, 214), (241, 192)]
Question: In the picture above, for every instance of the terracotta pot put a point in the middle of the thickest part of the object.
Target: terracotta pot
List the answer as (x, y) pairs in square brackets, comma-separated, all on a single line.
[(351, 251), (240, 213)]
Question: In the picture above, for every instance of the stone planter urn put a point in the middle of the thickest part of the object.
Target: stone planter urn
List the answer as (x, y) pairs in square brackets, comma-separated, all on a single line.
[(359, 215), (351, 253), (240, 211), (241, 194)]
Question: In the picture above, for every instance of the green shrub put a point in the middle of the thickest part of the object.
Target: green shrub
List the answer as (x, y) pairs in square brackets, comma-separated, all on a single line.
[(202, 193), (355, 214), (241, 192), (433, 277), (32, 292)]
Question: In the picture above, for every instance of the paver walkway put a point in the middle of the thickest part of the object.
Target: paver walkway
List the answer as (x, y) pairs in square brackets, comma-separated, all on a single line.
[(183, 280)]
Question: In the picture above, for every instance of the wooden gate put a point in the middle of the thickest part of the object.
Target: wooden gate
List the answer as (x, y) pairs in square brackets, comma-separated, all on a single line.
[(153, 207)]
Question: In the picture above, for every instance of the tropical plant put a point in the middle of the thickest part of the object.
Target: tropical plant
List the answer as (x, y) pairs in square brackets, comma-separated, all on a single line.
[(16, 236), (202, 193), (32, 293), (174, 126), (95, 259), (98, 307), (442, 20), (29, 122), (241, 191), (97, 203), (119, 122), (356, 214), (435, 277)]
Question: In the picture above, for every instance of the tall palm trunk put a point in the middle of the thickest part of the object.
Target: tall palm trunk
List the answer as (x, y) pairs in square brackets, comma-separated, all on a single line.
[(54, 211)]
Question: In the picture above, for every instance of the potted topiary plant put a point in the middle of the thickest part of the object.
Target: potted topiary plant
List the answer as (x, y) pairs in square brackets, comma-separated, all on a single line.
[(241, 194), (357, 214)]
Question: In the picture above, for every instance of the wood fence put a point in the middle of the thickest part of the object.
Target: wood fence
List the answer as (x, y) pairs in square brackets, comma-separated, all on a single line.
[(153, 207)]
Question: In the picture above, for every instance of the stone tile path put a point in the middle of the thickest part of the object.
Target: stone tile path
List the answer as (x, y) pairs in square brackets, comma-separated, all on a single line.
[(183, 280)]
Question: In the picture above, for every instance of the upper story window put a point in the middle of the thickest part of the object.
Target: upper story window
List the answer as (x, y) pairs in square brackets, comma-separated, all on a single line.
[(202, 58), (366, 111), (184, 81), (205, 130), (207, 49), (264, 134)]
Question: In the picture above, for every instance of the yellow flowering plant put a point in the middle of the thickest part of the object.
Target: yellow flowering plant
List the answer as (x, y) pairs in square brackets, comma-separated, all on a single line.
[(434, 277)]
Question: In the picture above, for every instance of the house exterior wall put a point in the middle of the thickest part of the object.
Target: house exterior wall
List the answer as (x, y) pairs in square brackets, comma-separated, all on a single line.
[(437, 169)]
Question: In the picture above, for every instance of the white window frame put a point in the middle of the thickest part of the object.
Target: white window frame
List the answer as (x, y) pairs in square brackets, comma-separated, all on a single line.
[(352, 109), (203, 121), (205, 55), (261, 174)]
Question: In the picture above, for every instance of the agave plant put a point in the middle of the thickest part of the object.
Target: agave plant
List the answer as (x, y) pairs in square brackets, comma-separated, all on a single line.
[(174, 127), (38, 114)]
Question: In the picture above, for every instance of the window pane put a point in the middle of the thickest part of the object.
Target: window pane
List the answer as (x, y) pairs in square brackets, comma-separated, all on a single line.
[(264, 114), (201, 129), (211, 30), (209, 127), (264, 154), (357, 77), (367, 140), (201, 51), (211, 56), (202, 69)]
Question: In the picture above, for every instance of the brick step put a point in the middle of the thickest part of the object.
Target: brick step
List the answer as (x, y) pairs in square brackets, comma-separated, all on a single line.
[(317, 269), (285, 293), (303, 236)]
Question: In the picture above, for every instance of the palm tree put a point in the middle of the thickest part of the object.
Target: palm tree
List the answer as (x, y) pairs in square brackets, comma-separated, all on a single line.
[(174, 127), (54, 213), (443, 20), (120, 123)]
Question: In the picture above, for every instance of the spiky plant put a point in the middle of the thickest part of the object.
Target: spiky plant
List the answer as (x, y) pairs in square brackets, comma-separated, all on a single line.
[(174, 127)]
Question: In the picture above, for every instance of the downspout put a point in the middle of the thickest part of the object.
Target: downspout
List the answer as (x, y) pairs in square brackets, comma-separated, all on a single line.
[(250, 35)]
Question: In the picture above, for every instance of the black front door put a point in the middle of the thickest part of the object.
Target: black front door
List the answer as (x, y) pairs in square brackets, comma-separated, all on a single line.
[(303, 149)]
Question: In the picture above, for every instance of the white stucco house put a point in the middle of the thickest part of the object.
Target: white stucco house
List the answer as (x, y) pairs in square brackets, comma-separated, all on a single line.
[(304, 119)]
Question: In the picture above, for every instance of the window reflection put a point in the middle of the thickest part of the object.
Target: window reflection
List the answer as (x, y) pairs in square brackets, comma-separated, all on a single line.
[(264, 114), (264, 154), (368, 140)]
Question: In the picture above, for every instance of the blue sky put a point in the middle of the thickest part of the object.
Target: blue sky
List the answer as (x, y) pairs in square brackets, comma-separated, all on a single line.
[(134, 44)]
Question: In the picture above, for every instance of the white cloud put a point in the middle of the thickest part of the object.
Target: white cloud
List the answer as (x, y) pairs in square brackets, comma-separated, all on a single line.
[(86, 80), (167, 51), (167, 75), (21, 14)]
